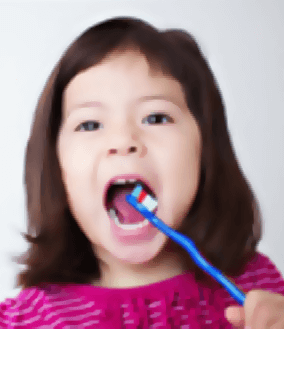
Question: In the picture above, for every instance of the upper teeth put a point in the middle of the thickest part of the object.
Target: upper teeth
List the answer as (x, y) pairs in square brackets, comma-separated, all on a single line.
[(124, 181)]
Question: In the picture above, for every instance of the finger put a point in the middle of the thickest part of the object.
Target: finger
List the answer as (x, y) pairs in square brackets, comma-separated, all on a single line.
[(278, 325), (260, 319), (235, 315)]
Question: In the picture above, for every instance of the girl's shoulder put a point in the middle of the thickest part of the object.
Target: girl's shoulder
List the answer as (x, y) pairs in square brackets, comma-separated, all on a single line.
[(261, 273), (31, 306)]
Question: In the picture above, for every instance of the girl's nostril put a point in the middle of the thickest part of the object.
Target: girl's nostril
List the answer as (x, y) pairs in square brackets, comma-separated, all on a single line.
[(132, 149)]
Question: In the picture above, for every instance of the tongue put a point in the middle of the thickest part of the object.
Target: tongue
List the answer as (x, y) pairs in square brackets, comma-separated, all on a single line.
[(125, 212)]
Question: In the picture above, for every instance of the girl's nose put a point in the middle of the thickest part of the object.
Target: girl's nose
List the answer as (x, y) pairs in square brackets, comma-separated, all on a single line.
[(124, 151), (124, 141)]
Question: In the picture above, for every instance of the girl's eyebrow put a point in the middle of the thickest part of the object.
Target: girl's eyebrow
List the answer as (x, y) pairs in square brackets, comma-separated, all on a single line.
[(141, 99)]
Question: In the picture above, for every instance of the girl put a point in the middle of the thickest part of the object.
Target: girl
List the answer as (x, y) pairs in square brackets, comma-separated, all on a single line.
[(127, 102)]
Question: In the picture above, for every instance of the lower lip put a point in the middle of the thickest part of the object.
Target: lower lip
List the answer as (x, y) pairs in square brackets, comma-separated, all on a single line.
[(141, 234)]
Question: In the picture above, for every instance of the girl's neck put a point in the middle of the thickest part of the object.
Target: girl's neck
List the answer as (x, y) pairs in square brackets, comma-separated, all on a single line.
[(131, 280), (170, 266)]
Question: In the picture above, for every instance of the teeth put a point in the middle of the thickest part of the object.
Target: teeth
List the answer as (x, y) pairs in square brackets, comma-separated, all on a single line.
[(134, 226), (124, 181), (112, 213)]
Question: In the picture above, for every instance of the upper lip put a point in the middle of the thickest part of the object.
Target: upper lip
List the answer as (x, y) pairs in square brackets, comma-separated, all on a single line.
[(128, 176)]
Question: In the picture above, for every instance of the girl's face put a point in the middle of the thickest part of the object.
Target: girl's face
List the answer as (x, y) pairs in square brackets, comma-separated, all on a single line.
[(116, 131)]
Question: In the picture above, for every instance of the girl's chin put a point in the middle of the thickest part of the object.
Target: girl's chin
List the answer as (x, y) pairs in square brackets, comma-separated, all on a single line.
[(141, 252)]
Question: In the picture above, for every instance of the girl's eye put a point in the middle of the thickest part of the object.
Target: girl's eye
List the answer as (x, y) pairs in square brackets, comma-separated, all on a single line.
[(154, 118), (88, 125), (160, 115)]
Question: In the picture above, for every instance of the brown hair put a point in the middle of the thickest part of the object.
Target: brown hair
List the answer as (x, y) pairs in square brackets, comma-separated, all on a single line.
[(224, 220)]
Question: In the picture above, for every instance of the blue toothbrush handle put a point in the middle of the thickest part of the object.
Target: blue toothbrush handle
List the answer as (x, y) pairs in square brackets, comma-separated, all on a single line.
[(188, 244)]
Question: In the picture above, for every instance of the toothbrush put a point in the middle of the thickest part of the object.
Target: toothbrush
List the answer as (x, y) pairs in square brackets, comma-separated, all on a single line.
[(146, 204)]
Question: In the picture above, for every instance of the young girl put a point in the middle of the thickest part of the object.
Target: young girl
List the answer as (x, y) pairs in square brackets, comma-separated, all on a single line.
[(127, 102)]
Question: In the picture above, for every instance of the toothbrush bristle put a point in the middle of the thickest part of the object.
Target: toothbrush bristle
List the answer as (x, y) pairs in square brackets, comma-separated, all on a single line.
[(144, 198), (137, 190)]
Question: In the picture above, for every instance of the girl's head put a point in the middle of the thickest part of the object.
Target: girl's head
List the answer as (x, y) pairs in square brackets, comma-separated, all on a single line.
[(123, 134), (126, 98)]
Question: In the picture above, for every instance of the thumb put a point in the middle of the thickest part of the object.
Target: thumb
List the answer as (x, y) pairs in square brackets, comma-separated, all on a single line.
[(236, 316)]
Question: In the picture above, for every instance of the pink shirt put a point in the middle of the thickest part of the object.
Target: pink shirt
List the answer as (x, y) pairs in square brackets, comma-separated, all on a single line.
[(178, 302)]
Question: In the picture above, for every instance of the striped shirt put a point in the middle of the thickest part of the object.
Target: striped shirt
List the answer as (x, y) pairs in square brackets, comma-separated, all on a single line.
[(177, 302)]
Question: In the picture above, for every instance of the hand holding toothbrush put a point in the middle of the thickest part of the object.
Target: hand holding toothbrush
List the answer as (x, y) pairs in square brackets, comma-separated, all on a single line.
[(261, 310)]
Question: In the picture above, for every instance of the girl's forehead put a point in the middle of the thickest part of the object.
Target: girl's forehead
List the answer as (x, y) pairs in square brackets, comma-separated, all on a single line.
[(129, 65), (128, 73)]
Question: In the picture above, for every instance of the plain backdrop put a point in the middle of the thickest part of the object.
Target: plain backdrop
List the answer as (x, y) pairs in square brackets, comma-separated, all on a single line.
[(243, 41)]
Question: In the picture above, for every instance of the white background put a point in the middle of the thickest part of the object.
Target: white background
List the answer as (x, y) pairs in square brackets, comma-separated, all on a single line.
[(243, 41)]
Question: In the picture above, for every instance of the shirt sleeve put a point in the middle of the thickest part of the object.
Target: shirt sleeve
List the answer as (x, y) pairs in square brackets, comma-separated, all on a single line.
[(23, 310), (262, 273), (6, 312)]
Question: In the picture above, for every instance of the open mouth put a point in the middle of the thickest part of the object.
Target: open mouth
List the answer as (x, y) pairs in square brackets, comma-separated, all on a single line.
[(119, 210)]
